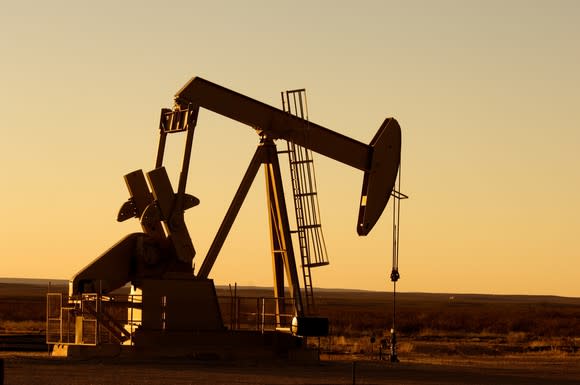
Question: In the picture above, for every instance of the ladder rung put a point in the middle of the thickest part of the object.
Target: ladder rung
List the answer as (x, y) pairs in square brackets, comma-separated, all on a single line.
[(301, 161), (314, 226), (318, 264), (304, 194)]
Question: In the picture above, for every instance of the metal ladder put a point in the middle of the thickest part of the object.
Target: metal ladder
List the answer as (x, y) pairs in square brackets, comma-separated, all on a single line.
[(308, 228)]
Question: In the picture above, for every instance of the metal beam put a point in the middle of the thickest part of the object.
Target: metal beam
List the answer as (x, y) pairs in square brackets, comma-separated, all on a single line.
[(379, 160), (281, 239), (232, 213), (275, 123)]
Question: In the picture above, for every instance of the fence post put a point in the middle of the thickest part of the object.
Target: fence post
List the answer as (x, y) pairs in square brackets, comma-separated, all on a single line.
[(238, 312), (263, 313), (258, 316)]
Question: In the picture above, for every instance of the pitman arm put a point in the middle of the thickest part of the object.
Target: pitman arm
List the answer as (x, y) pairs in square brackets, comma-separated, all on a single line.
[(379, 160)]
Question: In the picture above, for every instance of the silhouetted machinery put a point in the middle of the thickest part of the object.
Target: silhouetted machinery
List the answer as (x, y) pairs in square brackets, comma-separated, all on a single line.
[(179, 304)]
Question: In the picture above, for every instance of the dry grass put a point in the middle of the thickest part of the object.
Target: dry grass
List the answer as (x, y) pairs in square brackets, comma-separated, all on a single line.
[(436, 314), (425, 322), (439, 342), (529, 369), (22, 326)]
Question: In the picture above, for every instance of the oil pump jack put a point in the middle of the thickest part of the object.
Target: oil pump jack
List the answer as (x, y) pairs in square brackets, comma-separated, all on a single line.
[(177, 301)]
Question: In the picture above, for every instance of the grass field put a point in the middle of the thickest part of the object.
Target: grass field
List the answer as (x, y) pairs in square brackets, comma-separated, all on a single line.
[(31, 369), (426, 323), (443, 339)]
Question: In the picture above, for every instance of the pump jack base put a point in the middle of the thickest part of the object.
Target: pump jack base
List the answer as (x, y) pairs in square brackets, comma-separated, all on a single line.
[(212, 345)]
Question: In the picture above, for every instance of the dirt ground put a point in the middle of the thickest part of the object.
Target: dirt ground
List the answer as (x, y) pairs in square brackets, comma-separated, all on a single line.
[(38, 368)]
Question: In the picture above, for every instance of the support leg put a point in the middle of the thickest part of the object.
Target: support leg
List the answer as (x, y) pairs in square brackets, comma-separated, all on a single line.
[(231, 214), (280, 226)]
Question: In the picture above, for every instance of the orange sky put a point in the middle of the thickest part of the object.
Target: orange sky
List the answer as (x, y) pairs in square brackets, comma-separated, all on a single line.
[(486, 94)]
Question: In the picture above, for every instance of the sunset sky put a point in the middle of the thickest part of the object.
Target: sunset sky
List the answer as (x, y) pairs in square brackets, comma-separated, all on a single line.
[(486, 92)]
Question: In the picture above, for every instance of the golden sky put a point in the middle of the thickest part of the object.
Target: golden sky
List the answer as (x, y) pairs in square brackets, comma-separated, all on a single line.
[(486, 93)]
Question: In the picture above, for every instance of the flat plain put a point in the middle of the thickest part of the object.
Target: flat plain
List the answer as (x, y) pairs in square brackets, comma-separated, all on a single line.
[(443, 339), (31, 369)]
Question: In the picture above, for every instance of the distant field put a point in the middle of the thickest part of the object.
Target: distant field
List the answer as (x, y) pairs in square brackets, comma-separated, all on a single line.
[(426, 323), (443, 339)]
